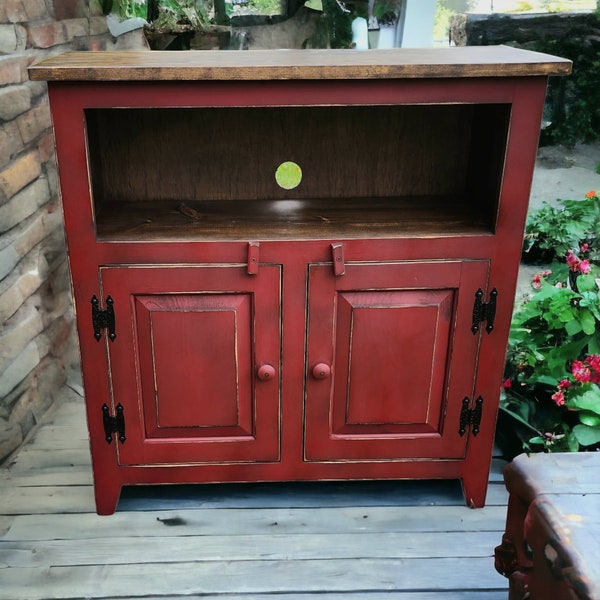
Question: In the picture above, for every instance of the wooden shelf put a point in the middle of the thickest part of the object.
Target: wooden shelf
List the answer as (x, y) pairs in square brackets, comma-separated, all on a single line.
[(282, 219)]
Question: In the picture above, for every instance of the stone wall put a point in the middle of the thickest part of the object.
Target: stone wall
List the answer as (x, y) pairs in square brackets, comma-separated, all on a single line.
[(36, 318)]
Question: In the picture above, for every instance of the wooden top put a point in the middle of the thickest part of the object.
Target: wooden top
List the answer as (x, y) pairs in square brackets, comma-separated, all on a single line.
[(531, 476), (398, 63)]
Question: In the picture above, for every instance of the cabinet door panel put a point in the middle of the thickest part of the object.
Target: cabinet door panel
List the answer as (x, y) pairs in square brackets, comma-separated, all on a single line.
[(185, 368), (213, 351), (374, 363), (398, 339)]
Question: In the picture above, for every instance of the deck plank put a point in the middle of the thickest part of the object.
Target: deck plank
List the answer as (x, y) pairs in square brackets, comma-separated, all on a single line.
[(234, 547), (297, 541), (391, 595), (224, 521), (253, 576)]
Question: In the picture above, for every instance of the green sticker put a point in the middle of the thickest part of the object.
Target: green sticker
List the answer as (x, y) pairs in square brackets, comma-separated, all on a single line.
[(288, 175)]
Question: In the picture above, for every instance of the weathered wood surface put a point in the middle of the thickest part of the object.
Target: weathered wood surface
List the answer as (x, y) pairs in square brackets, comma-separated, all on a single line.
[(483, 30), (350, 540), (500, 61)]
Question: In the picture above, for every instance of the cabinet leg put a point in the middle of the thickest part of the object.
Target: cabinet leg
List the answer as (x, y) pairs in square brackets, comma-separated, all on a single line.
[(475, 489), (107, 497)]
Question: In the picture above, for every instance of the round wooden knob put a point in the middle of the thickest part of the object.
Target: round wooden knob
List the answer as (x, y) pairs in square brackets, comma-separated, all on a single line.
[(266, 372), (321, 371)]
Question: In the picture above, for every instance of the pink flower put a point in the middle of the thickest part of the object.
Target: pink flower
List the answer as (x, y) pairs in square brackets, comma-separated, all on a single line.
[(584, 266), (572, 261), (536, 282), (580, 372), (593, 361), (584, 248), (559, 398), (564, 384), (507, 384)]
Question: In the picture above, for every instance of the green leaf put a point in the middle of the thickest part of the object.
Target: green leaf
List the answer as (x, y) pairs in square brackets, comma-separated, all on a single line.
[(588, 322), (573, 327), (518, 418), (589, 418), (587, 436), (572, 442), (586, 283), (548, 380), (537, 440), (588, 400)]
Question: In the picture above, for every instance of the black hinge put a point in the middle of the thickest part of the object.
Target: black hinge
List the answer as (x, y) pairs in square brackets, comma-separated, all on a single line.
[(470, 417), (114, 424), (484, 311), (103, 319)]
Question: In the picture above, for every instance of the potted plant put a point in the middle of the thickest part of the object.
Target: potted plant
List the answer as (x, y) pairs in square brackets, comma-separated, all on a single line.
[(176, 24), (551, 391)]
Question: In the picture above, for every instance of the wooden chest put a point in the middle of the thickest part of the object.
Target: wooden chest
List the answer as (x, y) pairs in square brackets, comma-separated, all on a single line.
[(294, 265), (552, 541)]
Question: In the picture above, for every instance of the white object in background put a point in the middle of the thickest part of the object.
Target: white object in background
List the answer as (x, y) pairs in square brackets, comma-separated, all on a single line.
[(118, 27), (417, 30), (387, 36), (360, 34)]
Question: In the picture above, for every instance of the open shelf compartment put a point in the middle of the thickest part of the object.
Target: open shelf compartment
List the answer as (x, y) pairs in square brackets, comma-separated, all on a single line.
[(210, 173)]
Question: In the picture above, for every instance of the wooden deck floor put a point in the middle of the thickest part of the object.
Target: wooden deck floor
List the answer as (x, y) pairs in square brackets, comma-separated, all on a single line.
[(314, 541)]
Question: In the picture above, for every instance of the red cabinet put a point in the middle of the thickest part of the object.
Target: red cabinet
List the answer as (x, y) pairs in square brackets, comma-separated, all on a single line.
[(294, 265)]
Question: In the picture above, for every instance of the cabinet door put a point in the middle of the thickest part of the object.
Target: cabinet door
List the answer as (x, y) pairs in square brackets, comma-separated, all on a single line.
[(397, 343), (190, 341)]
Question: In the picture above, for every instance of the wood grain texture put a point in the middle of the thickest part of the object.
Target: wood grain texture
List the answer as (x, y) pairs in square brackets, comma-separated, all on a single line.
[(209, 172), (489, 61), (243, 577), (237, 542), (282, 219)]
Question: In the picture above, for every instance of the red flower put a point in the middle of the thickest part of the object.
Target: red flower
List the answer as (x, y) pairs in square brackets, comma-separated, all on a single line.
[(559, 398), (593, 361), (507, 384), (591, 194), (536, 282), (584, 247), (584, 266), (572, 261), (563, 384), (580, 372)]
